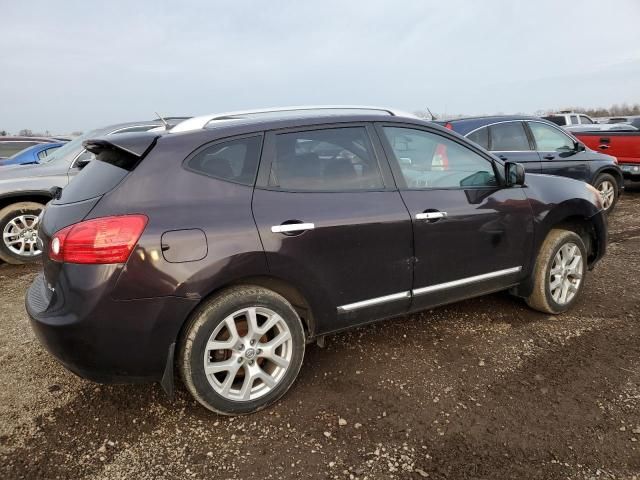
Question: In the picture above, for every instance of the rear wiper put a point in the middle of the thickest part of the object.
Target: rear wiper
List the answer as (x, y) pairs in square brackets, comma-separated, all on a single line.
[(55, 192)]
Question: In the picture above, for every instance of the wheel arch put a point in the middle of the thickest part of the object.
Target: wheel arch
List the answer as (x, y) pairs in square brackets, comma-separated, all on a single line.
[(292, 293), (589, 229), (35, 196), (615, 173)]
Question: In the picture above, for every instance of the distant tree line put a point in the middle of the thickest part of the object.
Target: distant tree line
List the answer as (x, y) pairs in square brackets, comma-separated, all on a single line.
[(25, 132), (616, 110)]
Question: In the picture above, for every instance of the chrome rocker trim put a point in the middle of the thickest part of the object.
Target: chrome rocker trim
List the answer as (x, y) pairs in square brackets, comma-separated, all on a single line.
[(431, 288), (374, 301), (466, 281)]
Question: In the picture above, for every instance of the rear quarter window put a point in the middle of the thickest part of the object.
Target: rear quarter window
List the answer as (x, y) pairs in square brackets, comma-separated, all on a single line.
[(480, 137), (233, 160)]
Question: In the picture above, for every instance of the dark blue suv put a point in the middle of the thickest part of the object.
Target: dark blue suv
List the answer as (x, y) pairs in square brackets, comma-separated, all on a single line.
[(543, 147)]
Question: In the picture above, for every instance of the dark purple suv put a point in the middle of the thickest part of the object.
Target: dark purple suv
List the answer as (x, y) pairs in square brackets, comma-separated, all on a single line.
[(219, 249)]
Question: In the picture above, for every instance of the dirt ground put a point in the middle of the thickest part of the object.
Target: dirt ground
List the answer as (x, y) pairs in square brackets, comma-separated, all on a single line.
[(482, 389)]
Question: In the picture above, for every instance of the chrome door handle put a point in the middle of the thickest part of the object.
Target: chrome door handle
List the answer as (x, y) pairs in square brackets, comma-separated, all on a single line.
[(430, 215), (292, 227)]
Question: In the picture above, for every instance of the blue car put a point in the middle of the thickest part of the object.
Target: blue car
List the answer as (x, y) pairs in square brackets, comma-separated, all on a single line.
[(543, 147), (34, 154)]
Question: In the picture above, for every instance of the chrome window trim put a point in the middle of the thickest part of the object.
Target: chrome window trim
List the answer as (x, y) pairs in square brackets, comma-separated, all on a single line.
[(544, 122), (374, 301), (466, 281), (494, 123), (498, 123)]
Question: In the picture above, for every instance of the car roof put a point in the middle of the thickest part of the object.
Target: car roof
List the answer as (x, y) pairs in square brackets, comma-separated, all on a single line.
[(19, 138), (240, 126)]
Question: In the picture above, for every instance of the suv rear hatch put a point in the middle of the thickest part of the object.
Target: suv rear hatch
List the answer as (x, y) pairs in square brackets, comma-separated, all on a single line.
[(116, 157)]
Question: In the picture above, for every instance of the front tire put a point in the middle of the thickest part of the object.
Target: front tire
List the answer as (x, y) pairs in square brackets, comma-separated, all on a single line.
[(608, 188), (19, 230), (241, 350), (559, 272)]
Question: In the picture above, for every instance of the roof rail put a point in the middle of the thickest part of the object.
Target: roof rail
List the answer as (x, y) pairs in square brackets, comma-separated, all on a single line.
[(197, 123)]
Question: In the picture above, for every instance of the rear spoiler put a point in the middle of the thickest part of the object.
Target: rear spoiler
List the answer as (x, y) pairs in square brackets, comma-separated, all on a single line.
[(137, 144)]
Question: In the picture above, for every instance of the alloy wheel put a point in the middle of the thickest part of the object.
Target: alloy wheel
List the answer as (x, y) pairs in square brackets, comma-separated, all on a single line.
[(20, 235), (565, 276), (248, 354), (607, 193)]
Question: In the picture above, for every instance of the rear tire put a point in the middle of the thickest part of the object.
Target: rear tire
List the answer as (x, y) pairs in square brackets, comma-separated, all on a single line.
[(559, 272), (241, 350), (18, 231), (607, 185)]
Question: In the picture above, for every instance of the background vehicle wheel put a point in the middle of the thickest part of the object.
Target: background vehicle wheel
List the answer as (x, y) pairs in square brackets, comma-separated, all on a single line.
[(608, 188), (559, 272), (19, 229), (241, 350)]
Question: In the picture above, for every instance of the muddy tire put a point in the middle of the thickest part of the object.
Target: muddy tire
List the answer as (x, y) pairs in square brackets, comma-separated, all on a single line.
[(607, 185), (241, 350), (559, 272), (19, 231)]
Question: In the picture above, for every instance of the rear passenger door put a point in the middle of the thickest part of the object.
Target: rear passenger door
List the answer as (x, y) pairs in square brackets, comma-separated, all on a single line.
[(332, 223), (511, 143), (557, 152)]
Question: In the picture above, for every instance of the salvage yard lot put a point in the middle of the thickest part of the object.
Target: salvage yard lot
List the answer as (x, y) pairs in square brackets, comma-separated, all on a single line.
[(485, 388)]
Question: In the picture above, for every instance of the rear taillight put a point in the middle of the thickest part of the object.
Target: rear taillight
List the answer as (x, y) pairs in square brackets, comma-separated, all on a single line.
[(101, 240)]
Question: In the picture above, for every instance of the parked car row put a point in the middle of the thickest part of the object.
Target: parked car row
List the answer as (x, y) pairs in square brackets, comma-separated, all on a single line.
[(542, 147), (10, 146), (24, 190), (220, 248), (34, 154)]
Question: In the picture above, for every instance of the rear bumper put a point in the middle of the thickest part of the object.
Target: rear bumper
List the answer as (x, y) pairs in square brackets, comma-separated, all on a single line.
[(106, 340)]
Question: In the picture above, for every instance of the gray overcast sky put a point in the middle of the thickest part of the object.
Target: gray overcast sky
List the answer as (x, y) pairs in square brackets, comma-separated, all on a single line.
[(78, 65)]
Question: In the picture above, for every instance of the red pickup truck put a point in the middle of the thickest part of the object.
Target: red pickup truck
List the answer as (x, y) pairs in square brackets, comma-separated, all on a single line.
[(624, 145)]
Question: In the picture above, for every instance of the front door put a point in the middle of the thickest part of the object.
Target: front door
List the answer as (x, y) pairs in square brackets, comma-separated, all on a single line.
[(557, 152), (472, 235), (332, 222)]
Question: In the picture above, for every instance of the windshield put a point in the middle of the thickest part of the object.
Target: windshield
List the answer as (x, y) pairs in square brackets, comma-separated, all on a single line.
[(74, 145)]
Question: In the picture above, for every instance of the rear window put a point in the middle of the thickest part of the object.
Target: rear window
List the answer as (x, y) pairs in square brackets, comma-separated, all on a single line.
[(233, 160), (99, 176), (561, 121)]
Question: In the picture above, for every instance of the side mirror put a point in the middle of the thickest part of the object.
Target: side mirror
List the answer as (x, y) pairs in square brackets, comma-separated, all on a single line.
[(579, 146), (514, 172)]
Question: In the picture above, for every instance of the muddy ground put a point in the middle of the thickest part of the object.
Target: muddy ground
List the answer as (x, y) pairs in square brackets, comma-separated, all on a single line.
[(482, 389)]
